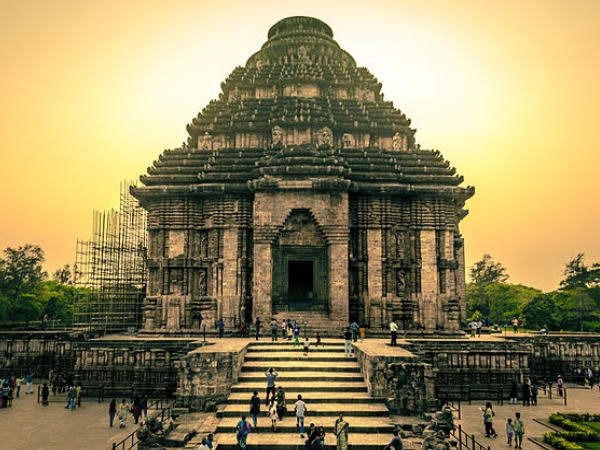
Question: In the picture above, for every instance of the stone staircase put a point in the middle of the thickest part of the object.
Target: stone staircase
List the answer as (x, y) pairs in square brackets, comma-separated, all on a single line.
[(330, 383)]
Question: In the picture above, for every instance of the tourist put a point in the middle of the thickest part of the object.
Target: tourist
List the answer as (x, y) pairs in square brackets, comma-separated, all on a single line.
[(274, 330), (203, 445), (29, 384), (255, 408), (209, 440), (300, 408), (243, 428), (318, 342), (289, 330), (514, 392), (281, 405), (479, 326), (393, 333), (45, 394), (257, 325), (559, 385), (296, 335), (123, 411), (354, 327), (320, 441), (306, 345), (144, 405), (18, 383), (510, 431), (473, 327), (271, 375), (5, 393), (526, 391), (519, 428), (515, 324), (71, 398), (341, 433), (273, 414), (488, 419), (395, 443), (283, 328), (221, 328), (534, 393), (311, 436), (112, 412), (348, 341), (136, 410), (78, 395)]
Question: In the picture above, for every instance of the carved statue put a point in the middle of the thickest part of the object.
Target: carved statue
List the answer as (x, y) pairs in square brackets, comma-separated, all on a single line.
[(202, 285), (347, 140), (303, 55), (206, 141), (326, 136), (276, 136), (397, 141), (400, 283)]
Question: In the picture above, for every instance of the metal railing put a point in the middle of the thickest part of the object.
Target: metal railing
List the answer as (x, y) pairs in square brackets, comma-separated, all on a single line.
[(131, 441), (466, 441)]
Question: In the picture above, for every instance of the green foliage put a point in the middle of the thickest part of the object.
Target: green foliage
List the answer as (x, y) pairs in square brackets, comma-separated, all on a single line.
[(579, 275), (487, 271), (563, 310), (21, 270), (560, 443), (500, 302), (576, 426)]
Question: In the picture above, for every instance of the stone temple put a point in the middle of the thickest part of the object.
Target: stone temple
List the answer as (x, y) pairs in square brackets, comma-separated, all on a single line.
[(300, 190)]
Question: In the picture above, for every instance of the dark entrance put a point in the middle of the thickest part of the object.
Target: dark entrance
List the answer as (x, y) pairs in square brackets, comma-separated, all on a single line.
[(300, 280)]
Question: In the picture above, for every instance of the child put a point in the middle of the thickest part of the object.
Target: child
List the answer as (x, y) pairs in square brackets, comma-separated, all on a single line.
[(306, 345), (296, 336), (510, 431), (273, 414)]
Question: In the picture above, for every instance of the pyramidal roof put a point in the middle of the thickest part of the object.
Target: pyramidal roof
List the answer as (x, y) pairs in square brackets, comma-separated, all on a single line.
[(301, 109)]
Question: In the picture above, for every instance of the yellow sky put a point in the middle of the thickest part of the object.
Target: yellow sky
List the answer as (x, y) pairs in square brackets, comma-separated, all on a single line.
[(92, 91)]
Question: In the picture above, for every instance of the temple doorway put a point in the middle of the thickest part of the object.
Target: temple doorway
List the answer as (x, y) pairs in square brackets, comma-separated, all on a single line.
[(300, 282)]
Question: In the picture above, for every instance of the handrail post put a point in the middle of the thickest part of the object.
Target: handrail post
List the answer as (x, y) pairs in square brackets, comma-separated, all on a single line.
[(472, 442), (114, 446), (460, 437), (459, 410), (565, 397)]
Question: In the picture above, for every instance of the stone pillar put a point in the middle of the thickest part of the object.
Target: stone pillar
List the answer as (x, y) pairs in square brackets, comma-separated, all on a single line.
[(338, 280), (374, 268), (230, 293), (429, 280), (262, 281), (460, 286)]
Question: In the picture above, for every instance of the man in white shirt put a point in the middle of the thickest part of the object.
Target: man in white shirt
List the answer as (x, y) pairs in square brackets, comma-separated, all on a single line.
[(394, 333), (300, 408)]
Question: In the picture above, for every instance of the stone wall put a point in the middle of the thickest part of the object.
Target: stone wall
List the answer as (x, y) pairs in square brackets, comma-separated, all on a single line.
[(37, 352), (205, 375), (400, 377)]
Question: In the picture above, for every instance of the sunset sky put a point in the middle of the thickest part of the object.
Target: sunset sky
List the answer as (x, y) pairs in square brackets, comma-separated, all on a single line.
[(509, 91)]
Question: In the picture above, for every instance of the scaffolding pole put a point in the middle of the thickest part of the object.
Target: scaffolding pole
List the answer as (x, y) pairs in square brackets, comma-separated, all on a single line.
[(110, 268)]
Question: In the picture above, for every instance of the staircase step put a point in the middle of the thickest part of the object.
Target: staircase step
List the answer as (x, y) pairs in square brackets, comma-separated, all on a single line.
[(284, 342), (346, 386), (290, 348), (298, 356), (319, 409), (243, 398), (288, 424), (292, 441), (310, 366), (303, 376)]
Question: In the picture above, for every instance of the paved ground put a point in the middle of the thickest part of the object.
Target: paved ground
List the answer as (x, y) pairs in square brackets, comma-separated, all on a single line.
[(579, 401), (29, 425)]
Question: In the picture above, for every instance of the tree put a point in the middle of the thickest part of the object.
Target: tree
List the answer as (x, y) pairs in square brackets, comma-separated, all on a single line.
[(579, 275), (542, 312), (487, 271), (21, 270), (499, 302), (63, 275)]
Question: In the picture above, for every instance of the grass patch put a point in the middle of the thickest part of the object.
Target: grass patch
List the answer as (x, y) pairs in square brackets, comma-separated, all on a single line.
[(582, 432)]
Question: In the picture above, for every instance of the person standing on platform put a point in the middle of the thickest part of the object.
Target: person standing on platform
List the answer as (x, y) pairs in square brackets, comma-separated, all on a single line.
[(296, 335), (257, 325), (29, 384), (306, 345), (255, 408), (123, 411), (112, 412), (281, 405), (488, 421), (393, 333), (510, 432), (515, 324), (273, 414), (514, 392), (559, 385), (526, 393), (348, 341), (271, 375), (283, 328), (341, 433), (243, 428), (274, 330), (45, 394), (221, 327), (300, 408), (19, 383), (354, 327)]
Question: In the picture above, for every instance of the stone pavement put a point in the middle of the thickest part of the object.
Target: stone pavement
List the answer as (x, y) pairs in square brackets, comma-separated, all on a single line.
[(27, 425), (580, 400)]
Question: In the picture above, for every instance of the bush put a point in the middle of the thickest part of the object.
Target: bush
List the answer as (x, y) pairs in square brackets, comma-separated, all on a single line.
[(560, 443)]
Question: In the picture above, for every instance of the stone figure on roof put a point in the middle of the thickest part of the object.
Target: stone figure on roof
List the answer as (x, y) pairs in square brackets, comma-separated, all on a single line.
[(347, 140), (206, 141), (326, 136), (397, 141), (276, 136)]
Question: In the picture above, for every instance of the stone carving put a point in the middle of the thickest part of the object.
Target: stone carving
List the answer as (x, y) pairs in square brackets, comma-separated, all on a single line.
[(400, 244), (202, 282), (400, 283), (303, 55), (276, 136), (206, 141), (326, 137), (347, 140), (397, 141)]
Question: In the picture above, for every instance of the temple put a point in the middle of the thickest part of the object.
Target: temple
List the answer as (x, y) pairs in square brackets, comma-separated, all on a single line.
[(301, 192)]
